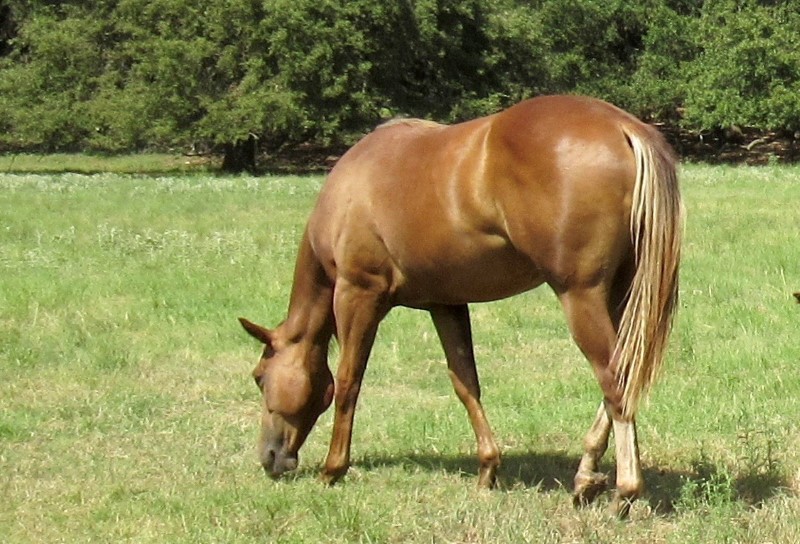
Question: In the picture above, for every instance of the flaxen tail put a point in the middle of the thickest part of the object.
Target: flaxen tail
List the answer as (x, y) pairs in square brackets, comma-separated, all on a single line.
[(657, 229)]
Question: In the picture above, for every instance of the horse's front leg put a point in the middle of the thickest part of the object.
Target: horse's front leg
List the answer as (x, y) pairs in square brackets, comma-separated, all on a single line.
[(453, 326), (358, 312)]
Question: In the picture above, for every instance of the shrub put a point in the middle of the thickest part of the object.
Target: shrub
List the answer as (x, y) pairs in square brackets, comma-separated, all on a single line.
[(748, 73)]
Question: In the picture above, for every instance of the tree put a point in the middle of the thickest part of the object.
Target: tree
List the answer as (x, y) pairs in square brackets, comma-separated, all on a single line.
[(7, 28), (240, 76), (670, 45), (44, 92), (748, 72)]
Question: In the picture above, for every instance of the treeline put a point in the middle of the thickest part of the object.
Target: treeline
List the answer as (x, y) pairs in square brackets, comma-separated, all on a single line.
[(237, 76)]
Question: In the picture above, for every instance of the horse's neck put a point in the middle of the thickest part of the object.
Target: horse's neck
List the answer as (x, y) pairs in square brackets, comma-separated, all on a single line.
[(310, 315)]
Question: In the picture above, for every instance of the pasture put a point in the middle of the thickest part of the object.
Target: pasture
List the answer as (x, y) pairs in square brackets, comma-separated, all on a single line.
[(127, 410)]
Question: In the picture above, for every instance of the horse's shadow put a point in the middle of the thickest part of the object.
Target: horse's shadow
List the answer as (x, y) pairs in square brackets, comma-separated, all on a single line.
[(666, 490)]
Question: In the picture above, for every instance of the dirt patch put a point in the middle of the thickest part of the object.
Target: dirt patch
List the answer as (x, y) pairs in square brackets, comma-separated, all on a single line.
[(735, 145), (301, 159)]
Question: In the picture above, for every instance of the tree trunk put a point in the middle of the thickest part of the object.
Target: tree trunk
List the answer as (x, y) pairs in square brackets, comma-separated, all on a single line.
[(7, 29), (240, 156)]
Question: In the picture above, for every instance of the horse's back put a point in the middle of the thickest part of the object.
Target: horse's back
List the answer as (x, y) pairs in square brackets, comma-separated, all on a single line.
[(483, 209)]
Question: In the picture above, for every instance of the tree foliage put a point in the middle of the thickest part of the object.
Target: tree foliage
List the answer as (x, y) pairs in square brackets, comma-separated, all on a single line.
[(748, 72), (233, 75)]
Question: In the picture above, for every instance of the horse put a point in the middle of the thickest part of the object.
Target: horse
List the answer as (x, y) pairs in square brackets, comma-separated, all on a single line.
[(565, 190)]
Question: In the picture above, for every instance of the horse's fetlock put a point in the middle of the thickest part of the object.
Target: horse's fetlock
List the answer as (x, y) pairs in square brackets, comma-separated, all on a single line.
[(489, 456), (588, 485), (630, 490), (331, 475)]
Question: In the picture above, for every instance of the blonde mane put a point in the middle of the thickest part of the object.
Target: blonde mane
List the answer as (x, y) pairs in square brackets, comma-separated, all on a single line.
[(411, 122)]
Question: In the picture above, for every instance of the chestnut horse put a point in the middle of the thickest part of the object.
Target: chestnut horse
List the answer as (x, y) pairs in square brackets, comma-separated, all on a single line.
[(564, 190)]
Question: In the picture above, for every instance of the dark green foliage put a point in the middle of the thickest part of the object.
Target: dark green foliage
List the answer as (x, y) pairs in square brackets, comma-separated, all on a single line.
[(749, 70), (669, 48), (231, 75)]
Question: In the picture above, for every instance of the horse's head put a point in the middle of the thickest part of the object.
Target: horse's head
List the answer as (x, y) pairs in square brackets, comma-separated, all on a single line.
[(297, 387)]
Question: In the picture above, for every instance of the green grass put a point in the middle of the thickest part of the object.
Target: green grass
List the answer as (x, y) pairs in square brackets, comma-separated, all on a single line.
[(145, 163), (127, 412)]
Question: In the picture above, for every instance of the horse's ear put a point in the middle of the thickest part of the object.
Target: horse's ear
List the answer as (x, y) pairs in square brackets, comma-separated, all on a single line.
[(258, 332)]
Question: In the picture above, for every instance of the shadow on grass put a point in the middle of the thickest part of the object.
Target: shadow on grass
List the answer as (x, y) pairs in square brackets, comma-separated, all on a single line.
[(666, 490)]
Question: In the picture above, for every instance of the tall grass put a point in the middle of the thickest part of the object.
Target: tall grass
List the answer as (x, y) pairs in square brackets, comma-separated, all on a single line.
[(127, 412)]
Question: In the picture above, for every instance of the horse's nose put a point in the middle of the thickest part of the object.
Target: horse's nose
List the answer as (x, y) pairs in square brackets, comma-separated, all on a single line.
[(276, 463), (268, 463), (289, 463), (268, 459)]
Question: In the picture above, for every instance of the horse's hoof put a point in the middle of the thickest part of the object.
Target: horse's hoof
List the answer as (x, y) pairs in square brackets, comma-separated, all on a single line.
[(328, 480), (620, 507), (588, 486), (487, 478), (330, 477)]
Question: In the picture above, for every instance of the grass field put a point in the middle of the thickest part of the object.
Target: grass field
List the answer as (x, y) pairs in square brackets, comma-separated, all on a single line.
[(145, 163), (127, 412)]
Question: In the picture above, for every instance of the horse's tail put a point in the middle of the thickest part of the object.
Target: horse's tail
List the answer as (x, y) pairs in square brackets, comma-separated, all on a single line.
[(656, 229)]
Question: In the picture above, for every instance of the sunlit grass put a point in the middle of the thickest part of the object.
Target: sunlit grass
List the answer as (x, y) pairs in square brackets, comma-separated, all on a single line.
[(127, 411), (146, 163)]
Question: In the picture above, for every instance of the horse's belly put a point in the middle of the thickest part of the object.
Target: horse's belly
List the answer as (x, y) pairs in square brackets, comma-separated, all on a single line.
[(456, 275)]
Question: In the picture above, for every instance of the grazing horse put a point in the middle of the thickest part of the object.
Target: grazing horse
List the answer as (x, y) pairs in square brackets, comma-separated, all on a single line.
[(564, 190)]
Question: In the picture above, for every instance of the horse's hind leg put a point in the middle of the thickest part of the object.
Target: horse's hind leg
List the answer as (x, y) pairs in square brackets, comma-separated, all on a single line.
[(630, 483), (588, 481), (593, 328), (453, 327)]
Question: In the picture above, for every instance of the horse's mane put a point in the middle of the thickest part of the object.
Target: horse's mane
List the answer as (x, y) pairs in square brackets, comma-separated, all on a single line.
[(412, 122)]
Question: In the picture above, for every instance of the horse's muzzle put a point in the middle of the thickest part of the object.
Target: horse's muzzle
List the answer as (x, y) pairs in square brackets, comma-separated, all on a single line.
[(276, 462)]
